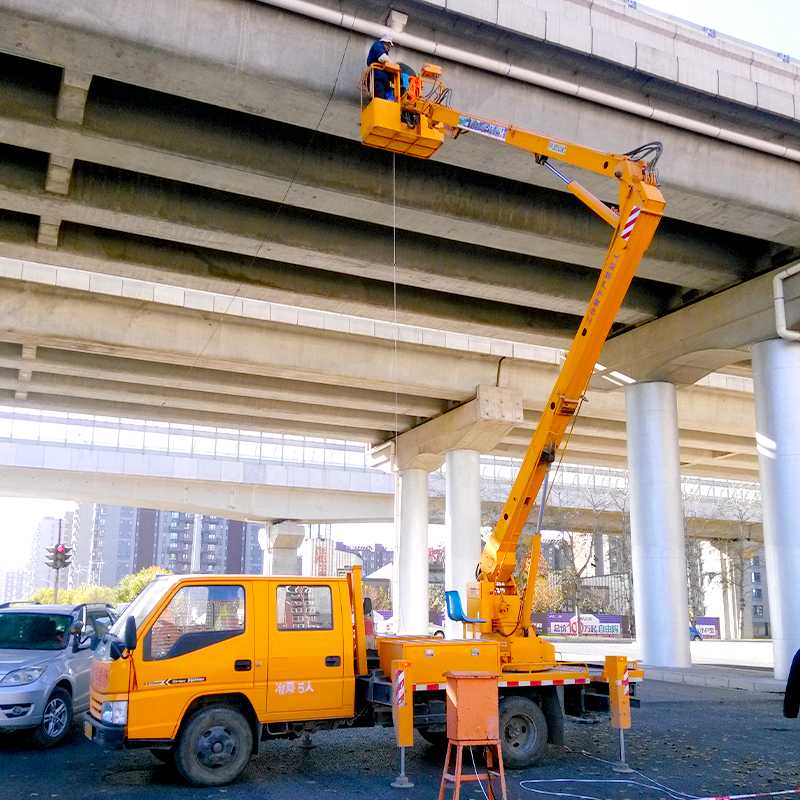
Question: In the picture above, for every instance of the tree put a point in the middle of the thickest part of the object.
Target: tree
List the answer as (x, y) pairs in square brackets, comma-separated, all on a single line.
[(82, 594), (131, 585)]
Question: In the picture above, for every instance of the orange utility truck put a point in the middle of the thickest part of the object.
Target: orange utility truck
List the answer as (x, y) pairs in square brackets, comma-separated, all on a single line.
[(204, 669)]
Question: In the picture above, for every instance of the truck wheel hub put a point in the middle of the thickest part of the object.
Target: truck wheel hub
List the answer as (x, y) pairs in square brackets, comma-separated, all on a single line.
[(216, 746), (518, 731)]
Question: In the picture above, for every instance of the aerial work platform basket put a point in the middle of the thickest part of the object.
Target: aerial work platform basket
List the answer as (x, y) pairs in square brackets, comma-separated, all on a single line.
[(383, 124)]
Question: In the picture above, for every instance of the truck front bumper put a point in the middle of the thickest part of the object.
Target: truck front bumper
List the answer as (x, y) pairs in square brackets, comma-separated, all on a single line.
[(104, 734)]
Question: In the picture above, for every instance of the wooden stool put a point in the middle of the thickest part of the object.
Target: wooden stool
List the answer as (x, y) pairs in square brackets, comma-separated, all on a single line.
[(491, 750)]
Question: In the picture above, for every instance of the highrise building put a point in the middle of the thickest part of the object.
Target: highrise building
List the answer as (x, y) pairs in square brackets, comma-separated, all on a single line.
[(78, 534), (175, 535), (372, 557), (112, 545), (146, 547), (15, 585), (253, 552)]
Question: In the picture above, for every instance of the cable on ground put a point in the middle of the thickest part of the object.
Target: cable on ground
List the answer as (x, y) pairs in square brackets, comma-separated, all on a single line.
[(647, 783)]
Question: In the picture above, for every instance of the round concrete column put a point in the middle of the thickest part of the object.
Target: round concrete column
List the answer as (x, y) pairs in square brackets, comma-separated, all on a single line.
[(410, 578), (776, 372), (463, 526), (660, 588)]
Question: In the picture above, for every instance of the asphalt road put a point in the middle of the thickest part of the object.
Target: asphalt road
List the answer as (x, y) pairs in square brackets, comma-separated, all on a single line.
[(696, 740)]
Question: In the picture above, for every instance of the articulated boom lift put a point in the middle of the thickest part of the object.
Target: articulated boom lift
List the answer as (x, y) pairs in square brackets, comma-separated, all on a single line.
[(415, 124)]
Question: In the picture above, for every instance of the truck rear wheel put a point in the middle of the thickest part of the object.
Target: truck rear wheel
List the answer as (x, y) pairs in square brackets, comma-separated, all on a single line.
[(436, 738), (523, 732), (214, 746)]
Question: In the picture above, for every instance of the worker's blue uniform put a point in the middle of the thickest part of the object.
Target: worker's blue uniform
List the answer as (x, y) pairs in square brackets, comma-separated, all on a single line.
[(383, 80)]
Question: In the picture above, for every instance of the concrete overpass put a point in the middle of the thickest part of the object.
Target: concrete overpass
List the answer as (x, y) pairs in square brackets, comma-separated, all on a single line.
[(193, 145), (167, 145), (257, 476), (67, 349)]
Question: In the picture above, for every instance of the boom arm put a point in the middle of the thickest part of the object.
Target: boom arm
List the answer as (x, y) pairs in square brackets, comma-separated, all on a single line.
[(640, 207), (415, 124)]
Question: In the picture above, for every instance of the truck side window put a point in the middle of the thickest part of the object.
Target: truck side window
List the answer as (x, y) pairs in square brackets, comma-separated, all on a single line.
[(305, 608), (198, 616)]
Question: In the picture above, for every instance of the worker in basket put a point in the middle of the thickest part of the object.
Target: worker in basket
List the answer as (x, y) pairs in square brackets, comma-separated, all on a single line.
[(379, 54)]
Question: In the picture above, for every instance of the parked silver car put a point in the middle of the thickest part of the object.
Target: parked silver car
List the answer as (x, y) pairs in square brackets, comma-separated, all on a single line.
[(45, 654)]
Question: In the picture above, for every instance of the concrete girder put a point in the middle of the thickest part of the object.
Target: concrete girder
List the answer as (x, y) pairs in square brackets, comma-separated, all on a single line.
[(145, 395), (248, 502), (279, 167), (575, 456), (47, 402), (592, 427), (107, 252), (691, 342), (615, 523), (189, 216), (203, 52), (197, 379), (616, 447), (217, 498), (74, 320), (478, 425)]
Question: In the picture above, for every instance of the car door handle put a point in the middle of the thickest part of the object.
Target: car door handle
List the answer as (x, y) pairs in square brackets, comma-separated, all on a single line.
[(333, 661), (243, 665)]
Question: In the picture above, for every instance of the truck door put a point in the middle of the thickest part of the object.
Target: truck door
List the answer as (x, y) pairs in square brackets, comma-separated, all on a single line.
[(305, 665), (200, 643)]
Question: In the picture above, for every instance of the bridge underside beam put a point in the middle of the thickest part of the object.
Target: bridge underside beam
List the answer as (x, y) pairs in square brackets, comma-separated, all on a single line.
[(145, 360)]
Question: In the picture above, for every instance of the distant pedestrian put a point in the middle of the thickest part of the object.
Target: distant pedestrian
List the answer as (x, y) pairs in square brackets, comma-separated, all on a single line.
[(791, 700), (379, 54)]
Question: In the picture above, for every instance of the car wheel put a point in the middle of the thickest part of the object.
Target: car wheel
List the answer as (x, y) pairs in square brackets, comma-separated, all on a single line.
[(523, 732), (56, 719), (214, 746)]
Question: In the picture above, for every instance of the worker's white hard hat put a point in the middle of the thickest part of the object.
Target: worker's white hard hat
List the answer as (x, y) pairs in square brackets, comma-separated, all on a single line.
[(388, 39)]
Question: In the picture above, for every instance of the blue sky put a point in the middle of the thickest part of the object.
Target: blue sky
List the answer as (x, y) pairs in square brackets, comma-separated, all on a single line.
[(773, 24)]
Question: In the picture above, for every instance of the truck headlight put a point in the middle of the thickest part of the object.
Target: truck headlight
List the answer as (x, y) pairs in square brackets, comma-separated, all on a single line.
[(115, 712), (22, 677)]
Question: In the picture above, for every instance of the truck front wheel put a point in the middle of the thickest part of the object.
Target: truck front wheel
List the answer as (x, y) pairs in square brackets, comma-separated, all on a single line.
[(523, 732), (214, 746)]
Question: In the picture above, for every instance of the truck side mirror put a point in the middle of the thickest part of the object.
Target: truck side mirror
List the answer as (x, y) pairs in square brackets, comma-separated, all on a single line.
[(129, 639), (367, 606)]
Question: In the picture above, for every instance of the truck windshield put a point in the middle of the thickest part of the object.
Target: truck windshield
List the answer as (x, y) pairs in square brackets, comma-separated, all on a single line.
[(34, 631), (144, 603)]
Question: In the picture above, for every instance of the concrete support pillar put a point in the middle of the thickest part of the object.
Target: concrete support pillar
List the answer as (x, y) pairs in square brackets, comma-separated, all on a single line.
[(776, 372), (283, 541), (410, 579), (463, 526), (661, 597)]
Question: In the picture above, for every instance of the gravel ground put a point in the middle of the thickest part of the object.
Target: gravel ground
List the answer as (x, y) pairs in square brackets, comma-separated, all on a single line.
[(696, 740)]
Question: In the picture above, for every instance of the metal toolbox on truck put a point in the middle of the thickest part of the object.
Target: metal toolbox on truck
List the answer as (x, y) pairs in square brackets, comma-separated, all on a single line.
[(431, 658)]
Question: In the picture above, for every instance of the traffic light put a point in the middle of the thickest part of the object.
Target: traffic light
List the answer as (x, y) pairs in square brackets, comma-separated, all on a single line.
[(58, 556)]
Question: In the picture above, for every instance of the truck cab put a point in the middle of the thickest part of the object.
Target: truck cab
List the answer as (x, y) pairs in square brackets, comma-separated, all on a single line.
[(201, 668)]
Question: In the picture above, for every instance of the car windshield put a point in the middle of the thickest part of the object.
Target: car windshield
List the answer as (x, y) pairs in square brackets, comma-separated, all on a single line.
[(144, 603), (33, 631)]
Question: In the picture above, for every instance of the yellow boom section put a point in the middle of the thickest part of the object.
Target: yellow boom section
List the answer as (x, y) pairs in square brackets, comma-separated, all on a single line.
[(415, 124)]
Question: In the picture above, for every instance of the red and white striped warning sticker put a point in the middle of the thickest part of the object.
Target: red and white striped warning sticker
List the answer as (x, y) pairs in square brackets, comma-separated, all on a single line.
[(436, 687), (400, 688), (631, 222), (554, 682)]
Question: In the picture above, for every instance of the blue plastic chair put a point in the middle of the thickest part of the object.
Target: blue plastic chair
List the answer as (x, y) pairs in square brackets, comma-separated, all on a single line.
[(455, 612)]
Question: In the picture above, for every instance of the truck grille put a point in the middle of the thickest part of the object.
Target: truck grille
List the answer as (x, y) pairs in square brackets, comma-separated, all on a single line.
[(95, 707)]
